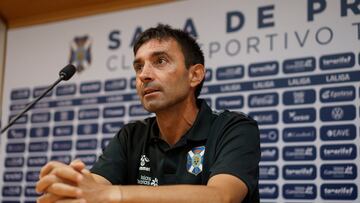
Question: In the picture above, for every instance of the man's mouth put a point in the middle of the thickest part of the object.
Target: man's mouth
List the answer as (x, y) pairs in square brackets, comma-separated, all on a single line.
[(149, 91)]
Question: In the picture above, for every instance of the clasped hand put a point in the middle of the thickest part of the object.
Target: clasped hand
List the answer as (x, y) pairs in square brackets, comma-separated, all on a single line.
[(71, 183)]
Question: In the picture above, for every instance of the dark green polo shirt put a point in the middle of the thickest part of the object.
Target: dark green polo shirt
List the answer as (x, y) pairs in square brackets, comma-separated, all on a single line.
[(217, 143)]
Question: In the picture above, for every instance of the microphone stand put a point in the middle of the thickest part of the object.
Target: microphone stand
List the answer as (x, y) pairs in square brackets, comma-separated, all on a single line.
[(30, 105)]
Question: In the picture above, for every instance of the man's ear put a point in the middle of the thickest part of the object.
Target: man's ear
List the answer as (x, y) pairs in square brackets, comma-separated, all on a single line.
[(196, 75)]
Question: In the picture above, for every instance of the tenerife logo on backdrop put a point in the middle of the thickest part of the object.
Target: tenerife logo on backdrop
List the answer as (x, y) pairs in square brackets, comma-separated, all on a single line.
[(80, 52)]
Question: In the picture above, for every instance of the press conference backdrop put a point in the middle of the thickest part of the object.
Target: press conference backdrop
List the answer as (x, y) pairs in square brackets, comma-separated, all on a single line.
[(291, 65)]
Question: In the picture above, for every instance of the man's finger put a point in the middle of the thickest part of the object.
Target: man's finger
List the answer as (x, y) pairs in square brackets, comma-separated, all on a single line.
[(47, 198), (49, 167), (45, 182), (68, 173), (77, 165), (64, 190), (72, 201)]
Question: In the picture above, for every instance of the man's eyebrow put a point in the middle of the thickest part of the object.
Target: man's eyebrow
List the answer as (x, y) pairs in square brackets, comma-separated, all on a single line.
[(156, 53)]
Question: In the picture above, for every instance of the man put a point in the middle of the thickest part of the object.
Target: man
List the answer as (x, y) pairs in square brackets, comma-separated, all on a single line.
[(191, 153)]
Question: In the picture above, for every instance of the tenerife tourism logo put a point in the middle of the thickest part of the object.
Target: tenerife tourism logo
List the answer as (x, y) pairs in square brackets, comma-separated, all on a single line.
[(80, 52)]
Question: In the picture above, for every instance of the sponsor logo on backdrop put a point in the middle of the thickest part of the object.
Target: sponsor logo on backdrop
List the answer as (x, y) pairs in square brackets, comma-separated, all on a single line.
[(36, 161), (88, 144), (338, 152), (88, 159), (112, 127), (66, 90), (61, 158), (39, 132), (230, 102), (338, 171), (299, 191), (65, 130), (299, 65), (299, 172), (31, 192), (11, 191), (270, 172), (299, 153), (338, 132), (336, 61), (299, 97), (263, 69), (13, 176), (80, 52), (269, 153), (268, 191), (18, 94), (336, 94), (263, 100), (65, 145), (299, 115), (299, 134), (265, 117), (230, 72), (338, 113), (17, 133), (338, 191), (269, 135), (14, 162), (32, 176)]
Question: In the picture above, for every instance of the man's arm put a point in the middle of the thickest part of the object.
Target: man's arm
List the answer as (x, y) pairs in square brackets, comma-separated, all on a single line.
[(63, 183)]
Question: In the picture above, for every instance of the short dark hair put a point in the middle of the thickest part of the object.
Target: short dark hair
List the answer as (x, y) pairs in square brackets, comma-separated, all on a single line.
[(189, 47)]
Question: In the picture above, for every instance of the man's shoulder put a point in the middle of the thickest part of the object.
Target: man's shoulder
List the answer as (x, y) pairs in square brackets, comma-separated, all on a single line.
[(232, 116), (139, 125)]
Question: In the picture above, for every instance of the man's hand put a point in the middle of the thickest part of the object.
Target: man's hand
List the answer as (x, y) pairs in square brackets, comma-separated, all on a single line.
[(57, 181)]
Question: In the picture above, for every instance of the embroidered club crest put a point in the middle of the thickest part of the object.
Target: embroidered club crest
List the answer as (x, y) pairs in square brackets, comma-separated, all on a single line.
[(195, 158), (80, 52)]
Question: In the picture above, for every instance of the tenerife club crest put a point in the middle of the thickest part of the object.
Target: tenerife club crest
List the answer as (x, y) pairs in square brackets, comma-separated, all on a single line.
[(80, 52), (195, 159)]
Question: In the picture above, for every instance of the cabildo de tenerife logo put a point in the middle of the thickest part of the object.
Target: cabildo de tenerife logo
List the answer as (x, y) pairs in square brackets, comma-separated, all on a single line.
[(80, 52), (195, 159)]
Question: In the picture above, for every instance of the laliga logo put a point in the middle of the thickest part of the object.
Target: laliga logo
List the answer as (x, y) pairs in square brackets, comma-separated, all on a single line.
[(80, 52)]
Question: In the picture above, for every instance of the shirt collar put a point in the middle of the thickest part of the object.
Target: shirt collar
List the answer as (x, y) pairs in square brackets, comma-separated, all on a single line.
[(199, 130)]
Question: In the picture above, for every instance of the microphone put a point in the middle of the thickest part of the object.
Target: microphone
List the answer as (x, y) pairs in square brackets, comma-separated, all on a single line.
[(65, 74)]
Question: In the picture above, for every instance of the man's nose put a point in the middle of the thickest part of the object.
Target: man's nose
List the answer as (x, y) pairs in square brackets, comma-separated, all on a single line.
[(146, 74)]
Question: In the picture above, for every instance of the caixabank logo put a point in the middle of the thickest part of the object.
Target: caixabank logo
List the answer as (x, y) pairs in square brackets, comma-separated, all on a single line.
[(80, 52)]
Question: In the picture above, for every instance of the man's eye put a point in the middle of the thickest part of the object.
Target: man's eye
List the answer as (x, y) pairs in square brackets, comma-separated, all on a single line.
[(137, 67), (161, 61)]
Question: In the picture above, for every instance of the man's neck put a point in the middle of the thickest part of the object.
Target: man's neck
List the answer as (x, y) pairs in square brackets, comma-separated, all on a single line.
[(176, 121)]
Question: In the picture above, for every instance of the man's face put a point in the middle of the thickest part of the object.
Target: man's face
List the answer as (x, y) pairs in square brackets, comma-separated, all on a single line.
[(162, 80)]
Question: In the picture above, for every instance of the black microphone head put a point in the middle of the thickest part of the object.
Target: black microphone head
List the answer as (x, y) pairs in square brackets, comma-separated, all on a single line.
[(67, 72)]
